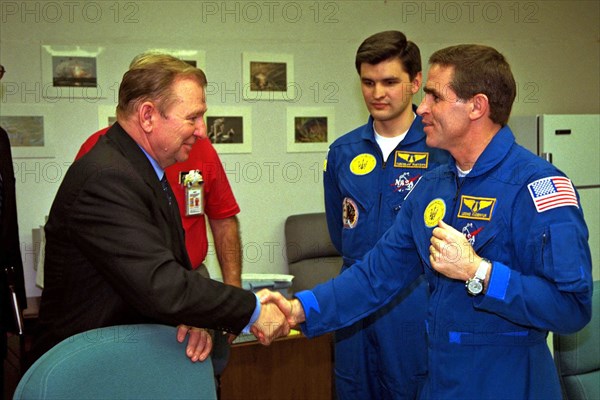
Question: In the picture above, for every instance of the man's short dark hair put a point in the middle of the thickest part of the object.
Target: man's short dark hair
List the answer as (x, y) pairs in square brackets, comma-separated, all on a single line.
[(480, 69), (388, 45)]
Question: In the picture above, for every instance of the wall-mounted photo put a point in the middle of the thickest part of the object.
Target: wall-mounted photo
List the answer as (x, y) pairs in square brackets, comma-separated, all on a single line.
[(268, 76), (310, 129), (228, 128), (72, 72), (27, 129)]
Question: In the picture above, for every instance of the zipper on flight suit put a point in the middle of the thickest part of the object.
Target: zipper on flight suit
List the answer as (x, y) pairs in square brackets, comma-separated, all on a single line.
[(438, 276), (382, 177), (459, 184)]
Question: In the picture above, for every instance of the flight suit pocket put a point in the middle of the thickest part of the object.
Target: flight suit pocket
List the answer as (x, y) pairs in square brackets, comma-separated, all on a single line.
[(562, 256)]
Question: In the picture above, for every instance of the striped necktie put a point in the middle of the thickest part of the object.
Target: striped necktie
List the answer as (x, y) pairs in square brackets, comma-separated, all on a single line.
[(167, 189)]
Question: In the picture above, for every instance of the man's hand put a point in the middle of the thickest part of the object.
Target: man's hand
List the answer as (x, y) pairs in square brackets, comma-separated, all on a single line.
[(199, 344), (451, 254), (271, 323), (292, 309)]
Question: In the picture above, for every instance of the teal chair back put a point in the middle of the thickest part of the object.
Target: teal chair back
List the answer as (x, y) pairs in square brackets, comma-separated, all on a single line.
[(119, 362), (577, 357)]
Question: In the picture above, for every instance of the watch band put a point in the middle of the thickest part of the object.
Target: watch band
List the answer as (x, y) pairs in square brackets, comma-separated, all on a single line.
[(483, 268), (475, 285)]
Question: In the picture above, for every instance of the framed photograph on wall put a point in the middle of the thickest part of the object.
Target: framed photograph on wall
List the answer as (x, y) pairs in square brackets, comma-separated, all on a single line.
[(309, 129), (27, 127), (229, 129), (197, 58), (268, 76), (72, 72)]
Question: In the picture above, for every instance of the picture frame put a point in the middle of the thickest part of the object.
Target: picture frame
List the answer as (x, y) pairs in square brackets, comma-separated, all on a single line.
[(73, 72), (268, 76), (27, 126), (309, 129), (229, 128)]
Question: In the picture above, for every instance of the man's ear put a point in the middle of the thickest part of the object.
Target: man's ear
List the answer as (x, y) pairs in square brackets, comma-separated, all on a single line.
[(416, 83), (480, 106), (146, 115)]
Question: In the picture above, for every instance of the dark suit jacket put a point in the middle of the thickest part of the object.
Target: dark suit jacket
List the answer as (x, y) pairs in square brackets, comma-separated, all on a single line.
[(115, 253), (10, 251)]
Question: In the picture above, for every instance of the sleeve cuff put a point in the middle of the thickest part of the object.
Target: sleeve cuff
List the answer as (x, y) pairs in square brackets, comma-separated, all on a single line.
[(309, 304), (254, 316), (499, 279)]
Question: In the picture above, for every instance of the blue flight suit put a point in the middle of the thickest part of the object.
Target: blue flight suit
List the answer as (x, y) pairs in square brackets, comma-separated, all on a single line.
[(383, 356), (516, 210)]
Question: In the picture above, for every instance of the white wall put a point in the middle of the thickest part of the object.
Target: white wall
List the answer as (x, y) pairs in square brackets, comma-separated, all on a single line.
[(552, 46)]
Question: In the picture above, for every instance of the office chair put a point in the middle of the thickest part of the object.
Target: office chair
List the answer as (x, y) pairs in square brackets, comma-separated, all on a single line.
[(119, 362), (311, 256), (577, 357)]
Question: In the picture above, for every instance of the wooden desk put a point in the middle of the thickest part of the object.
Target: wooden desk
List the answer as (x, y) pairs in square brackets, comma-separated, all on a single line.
[(290, 368)]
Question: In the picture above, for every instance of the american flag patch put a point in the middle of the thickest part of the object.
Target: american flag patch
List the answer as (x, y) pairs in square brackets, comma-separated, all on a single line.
[(552, 192)]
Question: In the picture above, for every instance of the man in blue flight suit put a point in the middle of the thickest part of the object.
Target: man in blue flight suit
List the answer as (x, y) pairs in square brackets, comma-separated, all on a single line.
[(499, 233), (369, 172)]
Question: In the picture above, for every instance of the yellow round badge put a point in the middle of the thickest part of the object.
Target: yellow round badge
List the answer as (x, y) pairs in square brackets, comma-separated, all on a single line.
[(434, 212), (362, 164)]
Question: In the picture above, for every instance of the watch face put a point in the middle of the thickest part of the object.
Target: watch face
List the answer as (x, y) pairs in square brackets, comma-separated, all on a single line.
[(474, 286)]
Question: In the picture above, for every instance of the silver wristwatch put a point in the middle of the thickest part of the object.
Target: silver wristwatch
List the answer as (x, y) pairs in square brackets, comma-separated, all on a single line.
[(475, 284)]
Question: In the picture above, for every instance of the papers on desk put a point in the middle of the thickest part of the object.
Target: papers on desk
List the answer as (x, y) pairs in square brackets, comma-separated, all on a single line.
[(256, 282), (248, 337), (273, 282)]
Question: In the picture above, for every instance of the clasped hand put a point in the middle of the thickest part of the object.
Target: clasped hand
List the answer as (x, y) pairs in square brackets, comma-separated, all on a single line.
[(291, 310), (272, 322), (451, 254)]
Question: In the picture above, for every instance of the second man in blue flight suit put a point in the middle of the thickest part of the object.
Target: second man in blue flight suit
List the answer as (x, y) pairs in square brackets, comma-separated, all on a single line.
[(368, 173)]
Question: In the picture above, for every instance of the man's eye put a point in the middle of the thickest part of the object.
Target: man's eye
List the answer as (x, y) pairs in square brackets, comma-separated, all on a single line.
[(434, 97)]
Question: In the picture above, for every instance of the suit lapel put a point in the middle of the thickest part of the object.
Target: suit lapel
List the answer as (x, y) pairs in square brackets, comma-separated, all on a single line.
[(142, 165)]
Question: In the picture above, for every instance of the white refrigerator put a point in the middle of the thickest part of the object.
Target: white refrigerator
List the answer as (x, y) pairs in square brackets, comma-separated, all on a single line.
[(572, 143)]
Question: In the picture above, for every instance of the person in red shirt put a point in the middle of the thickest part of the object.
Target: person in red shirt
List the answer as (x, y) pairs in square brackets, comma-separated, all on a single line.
[(221, 208)]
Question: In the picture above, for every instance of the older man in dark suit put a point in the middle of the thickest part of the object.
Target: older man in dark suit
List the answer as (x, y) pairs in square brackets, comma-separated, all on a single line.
[(115, 251), (11, 265)]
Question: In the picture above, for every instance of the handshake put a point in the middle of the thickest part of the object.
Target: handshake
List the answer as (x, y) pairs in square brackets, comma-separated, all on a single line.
[(277, 316)]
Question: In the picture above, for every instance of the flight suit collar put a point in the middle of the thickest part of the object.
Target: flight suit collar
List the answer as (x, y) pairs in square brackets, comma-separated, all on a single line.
[(494, 153), (415, 132)]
